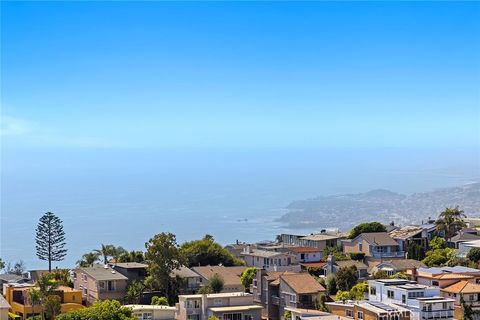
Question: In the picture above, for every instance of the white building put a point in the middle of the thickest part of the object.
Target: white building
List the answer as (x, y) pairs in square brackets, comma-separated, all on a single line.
[(225, 306), (423, 301), (151, 312)]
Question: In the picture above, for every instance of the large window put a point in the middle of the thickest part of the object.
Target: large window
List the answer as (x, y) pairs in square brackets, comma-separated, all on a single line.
[(232, 316), (360, 315), (349, 313)]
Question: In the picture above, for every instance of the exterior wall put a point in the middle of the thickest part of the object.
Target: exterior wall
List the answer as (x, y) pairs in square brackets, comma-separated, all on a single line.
[(3, 314), (261, 262), (156, 313), (91, 291), (133, 274), (341, 310), (308, 257), (250, 314), (197, 305)]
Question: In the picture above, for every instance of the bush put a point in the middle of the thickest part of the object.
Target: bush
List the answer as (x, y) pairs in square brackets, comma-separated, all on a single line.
[(358, 256), (159, 301), (474, 254)]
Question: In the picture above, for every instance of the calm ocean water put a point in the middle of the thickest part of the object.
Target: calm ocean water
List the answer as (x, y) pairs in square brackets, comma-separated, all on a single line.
[(126, 196)]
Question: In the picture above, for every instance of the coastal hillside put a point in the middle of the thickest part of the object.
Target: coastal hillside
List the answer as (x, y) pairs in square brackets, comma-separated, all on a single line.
[(345, 210)]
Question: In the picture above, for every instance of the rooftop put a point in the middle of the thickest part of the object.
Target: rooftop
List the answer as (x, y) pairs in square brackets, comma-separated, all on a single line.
[(100, 272), (184, 272), (406, 232), (323, 236), (129, 265), (463, 287), (139, 307), (235, 308), (378, 238), (218, 295), (261, 253), (229, 274), (302, 283)]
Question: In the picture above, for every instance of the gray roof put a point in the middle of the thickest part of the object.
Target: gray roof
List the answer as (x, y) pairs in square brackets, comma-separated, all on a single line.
[(129, 265), (378, 238), (462, 236), (262, 253), (8, 277), (403, 264), (99, 272), (184, 272), (455, 269)]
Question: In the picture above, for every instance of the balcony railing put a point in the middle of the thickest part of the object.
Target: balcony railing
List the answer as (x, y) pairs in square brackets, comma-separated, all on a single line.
[(391, 254), (438, 314)]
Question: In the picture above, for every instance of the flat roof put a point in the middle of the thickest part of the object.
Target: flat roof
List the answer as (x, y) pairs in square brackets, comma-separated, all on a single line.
[(138, 307), (235, 308), (218, 295)]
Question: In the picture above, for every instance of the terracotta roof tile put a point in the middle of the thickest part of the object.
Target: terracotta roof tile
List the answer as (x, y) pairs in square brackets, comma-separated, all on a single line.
[(302, 283)]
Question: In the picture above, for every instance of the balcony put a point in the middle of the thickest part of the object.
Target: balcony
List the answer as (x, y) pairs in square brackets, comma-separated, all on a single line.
[(437, 314), (391, 254)]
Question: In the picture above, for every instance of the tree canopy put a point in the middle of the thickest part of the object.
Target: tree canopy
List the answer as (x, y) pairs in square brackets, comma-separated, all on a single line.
[(247, 277), (450, 221), (102, 310), (50, 239), (367, 227), (346, 278), (206, 252), (474, 254)]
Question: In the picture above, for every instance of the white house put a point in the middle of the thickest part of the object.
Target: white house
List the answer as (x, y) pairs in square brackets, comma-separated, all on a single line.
[(423, 301)]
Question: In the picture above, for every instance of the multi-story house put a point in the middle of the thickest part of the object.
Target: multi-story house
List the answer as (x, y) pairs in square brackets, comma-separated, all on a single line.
[(17, 297), (230, 276), (134, 271), (443, 276), (318, 240), (305, 254), (275, 291), (470, 292), (190, 278), (312, 314), (225, 306), (397, 265), (423, 301), (368, 310), (375, 245), (270, 260), (99, 283)]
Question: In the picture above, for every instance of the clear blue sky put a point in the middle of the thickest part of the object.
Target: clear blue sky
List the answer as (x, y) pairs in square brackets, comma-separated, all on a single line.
[(155, 74)]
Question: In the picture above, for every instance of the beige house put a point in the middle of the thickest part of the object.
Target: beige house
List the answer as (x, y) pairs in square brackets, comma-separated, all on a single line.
[(443, 276), (225, 306), (470, 293), (230, 275), (376, 245), (100, 283), (269, 260), (149, 312)]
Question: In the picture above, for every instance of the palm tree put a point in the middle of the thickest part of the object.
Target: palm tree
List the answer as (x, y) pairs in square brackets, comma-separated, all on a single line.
[(109, 250), (46, 287), (34, 297), (88, 259), (450, 221), (132, 256)]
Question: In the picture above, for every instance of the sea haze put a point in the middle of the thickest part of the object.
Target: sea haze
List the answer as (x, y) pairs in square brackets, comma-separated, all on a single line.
[(125, 196)]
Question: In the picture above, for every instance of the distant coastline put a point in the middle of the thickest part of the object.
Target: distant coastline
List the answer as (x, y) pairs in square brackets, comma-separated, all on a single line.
[(345, 210)]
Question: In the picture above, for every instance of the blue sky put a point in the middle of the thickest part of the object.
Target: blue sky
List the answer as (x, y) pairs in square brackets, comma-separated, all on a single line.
[(255, 75)]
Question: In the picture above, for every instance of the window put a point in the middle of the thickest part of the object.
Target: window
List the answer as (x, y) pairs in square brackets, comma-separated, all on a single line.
[(101, 284), (435, 283), (247, 317), (193, 304), (85, 291), (232, 316), (217, 302), (444, 306), (404, 299), (349, 313), (293, 298), (390, 294), (193, 317), (360, 315), (471, 297), (111, 285), (360, 247), (147, 316), (373, 291), (302, 256)]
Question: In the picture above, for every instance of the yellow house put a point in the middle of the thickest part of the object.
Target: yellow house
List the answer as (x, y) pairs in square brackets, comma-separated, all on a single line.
[(18, 298)]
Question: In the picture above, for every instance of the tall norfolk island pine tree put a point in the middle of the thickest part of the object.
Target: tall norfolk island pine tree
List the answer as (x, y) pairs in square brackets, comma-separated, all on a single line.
[(50, 239)]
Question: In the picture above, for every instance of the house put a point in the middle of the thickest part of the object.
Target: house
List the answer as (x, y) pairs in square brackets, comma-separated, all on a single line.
[(410, 234), (424, 302), (17, 297), (4, 308), (275, 291), (376, 245), (8, 278), (34, 275), (319, 240), (270, 260), (332, 266), (464, 235), (299, 290), (443, 276), (305, 254), (397, 265), (465, 247), (191, 279), (99, 283), (152, 312), (312, 314), (470, 293), (368, 310), (134, 271), (237, 248), (230, 275), (225, 306)]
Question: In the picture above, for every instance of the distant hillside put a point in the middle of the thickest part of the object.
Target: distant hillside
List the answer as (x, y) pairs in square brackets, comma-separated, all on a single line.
[(346, 210)]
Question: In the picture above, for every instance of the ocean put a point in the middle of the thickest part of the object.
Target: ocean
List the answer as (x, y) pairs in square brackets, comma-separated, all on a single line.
[(125, 196)]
